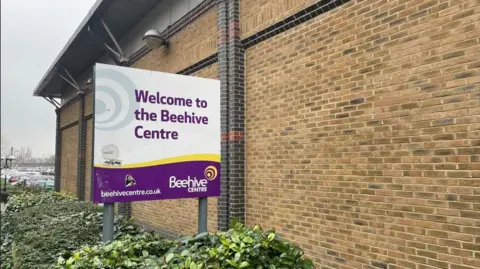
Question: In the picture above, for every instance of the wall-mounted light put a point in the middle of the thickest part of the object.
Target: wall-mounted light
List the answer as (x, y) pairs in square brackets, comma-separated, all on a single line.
[(154, 40), (89, 81)]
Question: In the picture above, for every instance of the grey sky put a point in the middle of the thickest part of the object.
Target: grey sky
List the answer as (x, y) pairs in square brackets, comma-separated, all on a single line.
[(33, 32)]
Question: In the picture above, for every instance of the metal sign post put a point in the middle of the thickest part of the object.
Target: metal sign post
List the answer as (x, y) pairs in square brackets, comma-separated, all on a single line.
[(108, 219), (202, 214)]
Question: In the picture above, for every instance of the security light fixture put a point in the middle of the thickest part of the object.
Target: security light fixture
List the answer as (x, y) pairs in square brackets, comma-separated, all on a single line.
[(154, 40)]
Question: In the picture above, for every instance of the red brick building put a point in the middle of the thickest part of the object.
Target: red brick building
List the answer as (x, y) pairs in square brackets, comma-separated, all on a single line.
[(351, 127)]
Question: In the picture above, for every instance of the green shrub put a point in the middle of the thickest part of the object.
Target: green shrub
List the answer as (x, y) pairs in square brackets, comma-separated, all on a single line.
[(52, 230), (42, 232), (19, 200), (6, 244), (26, 198), (138, 251), (40, 226), (15, 189), (237, 248)]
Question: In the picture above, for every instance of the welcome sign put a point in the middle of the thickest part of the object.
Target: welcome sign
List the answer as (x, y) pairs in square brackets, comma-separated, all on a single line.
[(156, 135)]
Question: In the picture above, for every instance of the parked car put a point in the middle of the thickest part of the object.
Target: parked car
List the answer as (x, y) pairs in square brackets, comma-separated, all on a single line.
[(35, 181), (30, 181), (18, 178), (45, 184), (13, 179), (21, 179), (31, 173)]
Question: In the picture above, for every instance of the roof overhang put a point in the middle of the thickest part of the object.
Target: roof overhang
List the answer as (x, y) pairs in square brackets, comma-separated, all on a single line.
[(83, 50)]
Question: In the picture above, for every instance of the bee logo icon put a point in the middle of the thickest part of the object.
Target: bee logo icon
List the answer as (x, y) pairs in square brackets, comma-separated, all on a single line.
[(130, 181)]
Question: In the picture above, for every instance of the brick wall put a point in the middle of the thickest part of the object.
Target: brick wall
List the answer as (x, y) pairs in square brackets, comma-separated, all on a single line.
[(69, 149), (69, 114), (68, 162), (88, 104), (363, 135), (258, 14), (89, 144), (194, 43), (177, 216), (88, 160)]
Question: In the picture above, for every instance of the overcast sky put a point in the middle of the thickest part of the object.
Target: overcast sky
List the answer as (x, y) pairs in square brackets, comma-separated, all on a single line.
[(33, 34)]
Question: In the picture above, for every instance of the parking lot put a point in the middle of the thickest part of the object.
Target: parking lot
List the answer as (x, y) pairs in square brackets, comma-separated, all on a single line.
[(43, 180)]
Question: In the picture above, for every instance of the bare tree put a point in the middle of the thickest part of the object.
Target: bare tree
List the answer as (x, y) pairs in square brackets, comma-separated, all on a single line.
[(28, 154), (24, 154), (50, 159), (21, 155)]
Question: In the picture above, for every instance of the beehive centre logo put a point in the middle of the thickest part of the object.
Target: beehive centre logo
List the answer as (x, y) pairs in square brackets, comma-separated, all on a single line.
[(194, 184)]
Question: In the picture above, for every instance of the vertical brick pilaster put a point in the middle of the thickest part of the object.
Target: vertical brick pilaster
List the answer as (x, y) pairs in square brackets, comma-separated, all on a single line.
[(222, 50), (236, 117), (82, 141), (58, 150)]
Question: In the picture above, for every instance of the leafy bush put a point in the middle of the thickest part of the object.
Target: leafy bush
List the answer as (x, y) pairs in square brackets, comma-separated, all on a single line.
[(21, 199), (42, 232), (38, 227), (6, 247), (51, 230), (30, 197), (237, 248), (138, 251)]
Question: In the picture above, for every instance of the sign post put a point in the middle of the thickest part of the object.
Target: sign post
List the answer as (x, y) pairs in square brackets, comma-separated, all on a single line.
[(108, 220), (202, 214), (156, 136)]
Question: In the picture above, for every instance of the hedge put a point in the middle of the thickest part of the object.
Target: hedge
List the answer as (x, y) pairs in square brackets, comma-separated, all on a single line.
[(239, 247), (17, 203), (52, 230), (38, 226)]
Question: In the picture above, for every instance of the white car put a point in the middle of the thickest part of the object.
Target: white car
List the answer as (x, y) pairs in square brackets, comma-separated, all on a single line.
[(30, 173)]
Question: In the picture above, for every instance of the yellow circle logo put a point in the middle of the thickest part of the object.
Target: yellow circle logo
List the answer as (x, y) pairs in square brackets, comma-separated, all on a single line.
[(211, 173)]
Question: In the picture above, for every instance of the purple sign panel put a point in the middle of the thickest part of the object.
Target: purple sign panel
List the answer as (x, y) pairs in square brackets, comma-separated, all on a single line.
[(192, 179)]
